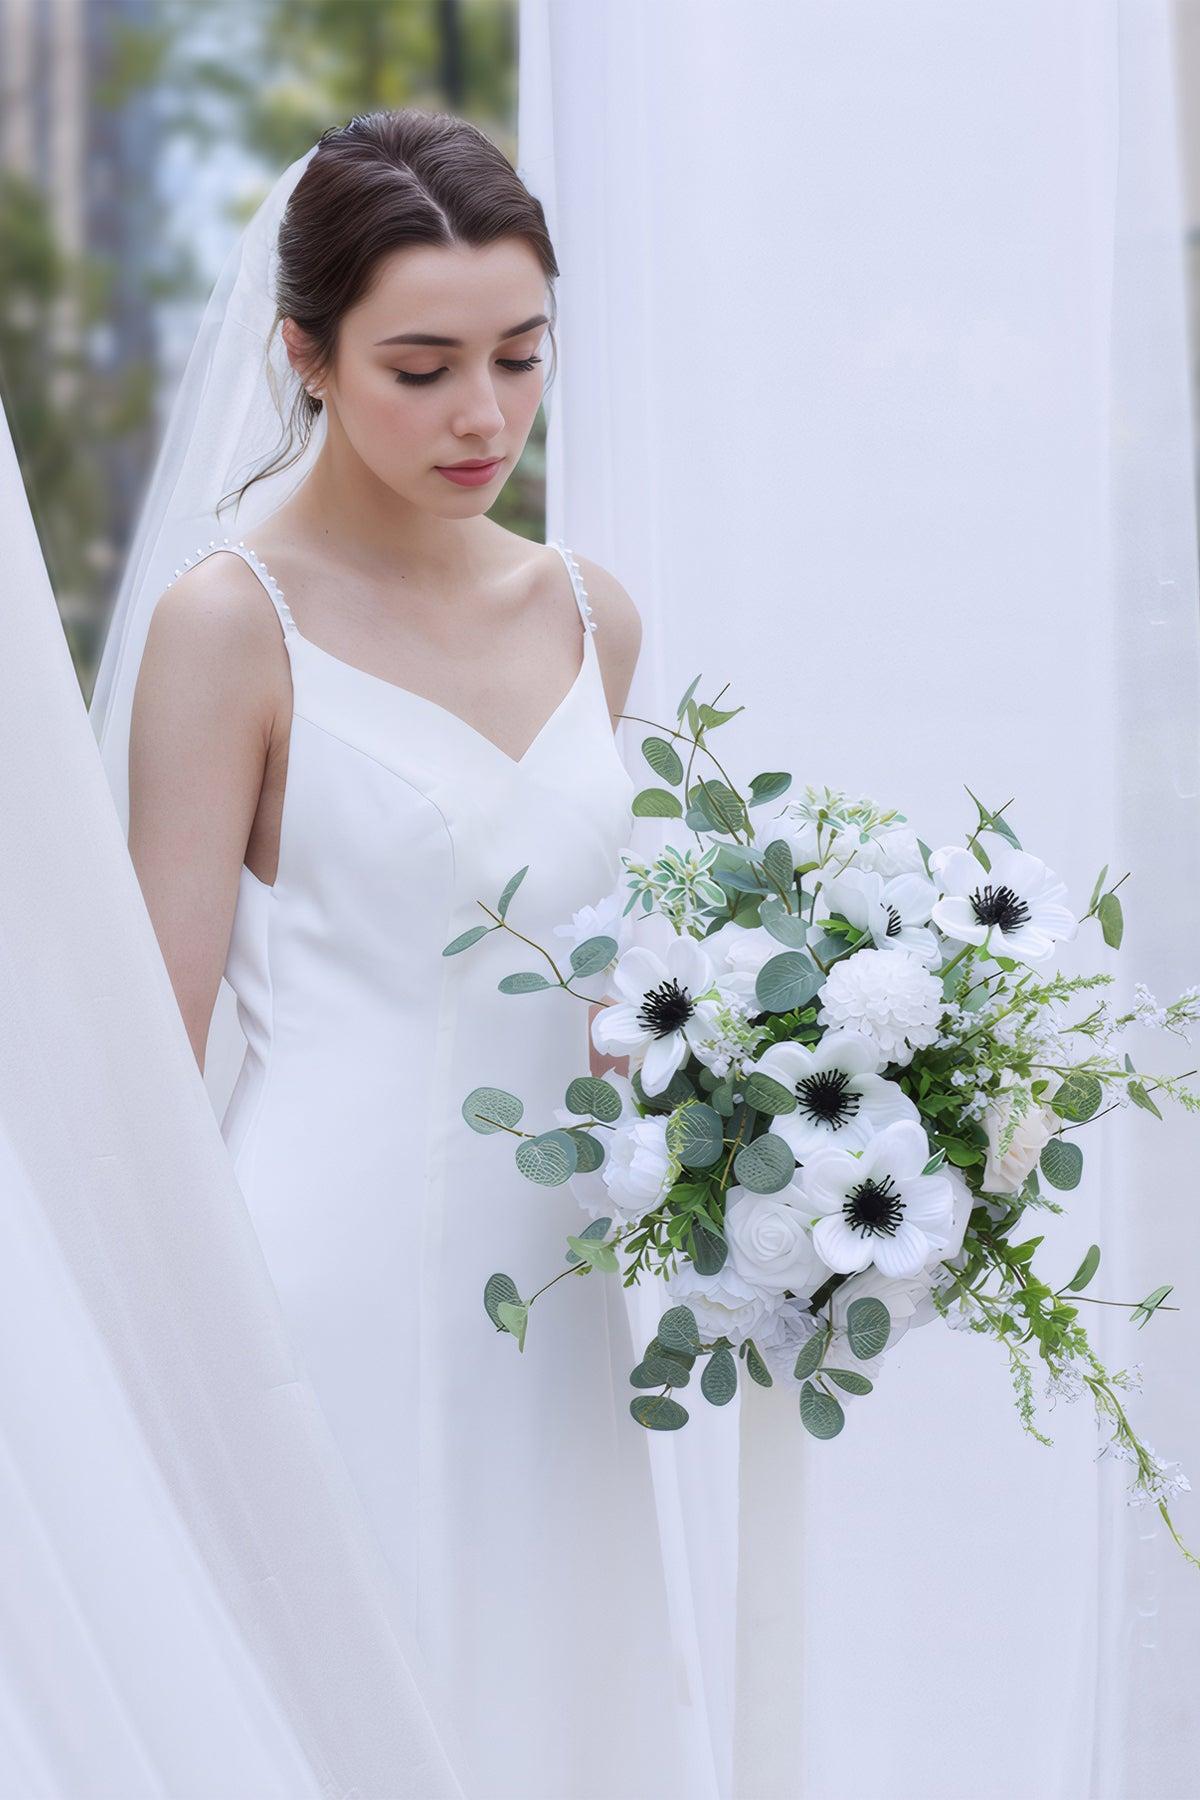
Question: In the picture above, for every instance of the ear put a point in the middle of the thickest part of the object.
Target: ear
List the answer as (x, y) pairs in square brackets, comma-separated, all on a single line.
[(299, 349)]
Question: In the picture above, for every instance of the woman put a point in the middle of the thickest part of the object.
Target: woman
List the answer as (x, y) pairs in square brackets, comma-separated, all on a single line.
[(349, 730)]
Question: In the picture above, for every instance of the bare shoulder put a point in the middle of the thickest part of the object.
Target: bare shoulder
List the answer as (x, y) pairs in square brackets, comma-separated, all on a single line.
[(214, 630)]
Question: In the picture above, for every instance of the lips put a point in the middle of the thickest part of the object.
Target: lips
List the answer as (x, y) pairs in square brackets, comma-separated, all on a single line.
[(485, 462)]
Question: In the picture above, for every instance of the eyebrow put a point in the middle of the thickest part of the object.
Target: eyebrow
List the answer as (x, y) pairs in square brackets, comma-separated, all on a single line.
[(427, 337)]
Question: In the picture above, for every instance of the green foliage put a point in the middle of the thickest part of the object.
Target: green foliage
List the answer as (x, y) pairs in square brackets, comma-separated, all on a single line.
[(488, 1109), (549, 1159)]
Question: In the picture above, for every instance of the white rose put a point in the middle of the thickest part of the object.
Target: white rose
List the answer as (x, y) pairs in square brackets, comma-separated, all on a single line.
[(1007, 1174), (769, 1241)]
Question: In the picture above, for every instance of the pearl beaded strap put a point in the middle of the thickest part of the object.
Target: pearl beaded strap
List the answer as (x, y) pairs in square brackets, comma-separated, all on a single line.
[(581, 593), (273, 587)]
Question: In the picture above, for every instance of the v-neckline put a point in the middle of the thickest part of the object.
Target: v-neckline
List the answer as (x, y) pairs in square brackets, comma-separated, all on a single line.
[(447, 712)]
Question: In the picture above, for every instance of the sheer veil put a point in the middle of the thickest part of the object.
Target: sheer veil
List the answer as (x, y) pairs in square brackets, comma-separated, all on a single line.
[(224, 424)]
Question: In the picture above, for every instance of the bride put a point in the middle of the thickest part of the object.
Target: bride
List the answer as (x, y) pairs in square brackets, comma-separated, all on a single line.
[(346, 725)]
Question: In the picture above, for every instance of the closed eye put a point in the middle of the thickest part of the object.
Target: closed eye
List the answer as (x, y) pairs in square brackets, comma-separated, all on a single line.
[(515, 367)]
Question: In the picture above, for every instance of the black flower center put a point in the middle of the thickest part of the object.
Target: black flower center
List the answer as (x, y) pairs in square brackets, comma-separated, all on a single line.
[(893, 923), (874, 1208), (999, 906), (666, 1008), (828, 1097)]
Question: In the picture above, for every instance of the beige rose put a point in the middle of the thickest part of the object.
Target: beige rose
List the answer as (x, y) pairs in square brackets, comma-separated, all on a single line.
[(1007, 1174)]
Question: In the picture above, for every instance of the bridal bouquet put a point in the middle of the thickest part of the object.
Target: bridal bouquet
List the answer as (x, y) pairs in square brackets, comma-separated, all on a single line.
[(850, 1077)]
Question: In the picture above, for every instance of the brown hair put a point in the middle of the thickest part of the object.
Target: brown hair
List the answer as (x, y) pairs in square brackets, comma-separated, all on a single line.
[(381, 182)]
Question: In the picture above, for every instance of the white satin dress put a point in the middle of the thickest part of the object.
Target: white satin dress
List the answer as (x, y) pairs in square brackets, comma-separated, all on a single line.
[(511, 1491)]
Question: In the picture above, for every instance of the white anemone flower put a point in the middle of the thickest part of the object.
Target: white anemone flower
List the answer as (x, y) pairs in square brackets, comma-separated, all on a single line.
[(840, 1095), (895, 910), (663, 1010), (1017, 908), (876, 1206)]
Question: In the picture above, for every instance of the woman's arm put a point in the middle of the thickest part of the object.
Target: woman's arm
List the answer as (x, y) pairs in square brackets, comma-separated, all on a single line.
[(618, 646), (200, 734)]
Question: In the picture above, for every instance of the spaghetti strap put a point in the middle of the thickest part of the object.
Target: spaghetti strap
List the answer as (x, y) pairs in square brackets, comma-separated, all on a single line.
[(274, 591), (577, 587)]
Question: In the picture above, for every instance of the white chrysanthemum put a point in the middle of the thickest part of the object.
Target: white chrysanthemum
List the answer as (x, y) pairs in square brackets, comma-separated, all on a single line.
[(876, 1206), (895, 911), (639, 1168), (724, 1304), (589, 1186), (770, 1243), (660, 1012), (841, 1098), (1017, 908), (889, 995)]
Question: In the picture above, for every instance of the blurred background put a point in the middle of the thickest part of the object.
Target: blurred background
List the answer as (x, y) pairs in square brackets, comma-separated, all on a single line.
[(135, 138)]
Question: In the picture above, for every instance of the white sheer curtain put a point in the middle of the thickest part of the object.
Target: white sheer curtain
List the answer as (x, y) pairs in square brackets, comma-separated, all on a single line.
[(191, 1602), (875, 396)]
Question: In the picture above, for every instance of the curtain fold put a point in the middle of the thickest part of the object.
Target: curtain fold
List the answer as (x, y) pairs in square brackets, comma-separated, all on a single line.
[(874, 395), (193, 1602)]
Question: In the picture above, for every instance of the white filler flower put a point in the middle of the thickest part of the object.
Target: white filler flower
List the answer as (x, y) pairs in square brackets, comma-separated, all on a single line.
[(770, 1244), (724, 1304), (840, 1096), (895, 911), (1017, 908), (876, 1206), (887, 994), (660, 1013)]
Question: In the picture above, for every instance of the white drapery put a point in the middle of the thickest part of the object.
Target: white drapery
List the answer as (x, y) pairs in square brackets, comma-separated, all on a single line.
[(927, 258), (875, 397), (192, 1601)]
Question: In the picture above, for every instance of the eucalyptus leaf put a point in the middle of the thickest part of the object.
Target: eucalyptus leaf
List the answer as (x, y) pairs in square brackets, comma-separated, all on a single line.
[(549, 1159), (594, 954), (589, 1151), (595, 1254), (695, 1134), (820, 1413), (756, 1367), (467, 938), (718, 1383), (592, 1094), (709, 1250), (677, 1330), (1077, 1097), (498, 1288), (1112, 920), (656, 803), (785, 927), (510, 888), (527, 981), (777, 861), (663, 759), (786, 981), (769, 786), (765, 1165), (688, 692), (489, 1109), (811, 1352), (658, 1412), (850, 1380), (868, 1326), (766, 1095), (1061, 1162)]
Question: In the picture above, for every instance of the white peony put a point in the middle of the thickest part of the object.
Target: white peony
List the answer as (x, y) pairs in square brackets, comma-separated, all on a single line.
[(895, 911), (1007, 1174), (638, 1169), (1017, 908), (589, 1186), (889, 995), (770, 1243), (876, 1206), (724, 1304), (841, 1097)]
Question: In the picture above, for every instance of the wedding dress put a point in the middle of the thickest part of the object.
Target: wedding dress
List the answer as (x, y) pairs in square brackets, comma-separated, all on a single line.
[(512, 1498)]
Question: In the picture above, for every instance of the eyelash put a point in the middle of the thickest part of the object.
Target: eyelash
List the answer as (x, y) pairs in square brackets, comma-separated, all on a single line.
[(514, 367)]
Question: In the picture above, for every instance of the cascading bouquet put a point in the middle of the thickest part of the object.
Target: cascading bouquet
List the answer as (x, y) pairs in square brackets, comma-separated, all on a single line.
[(848, 1081)]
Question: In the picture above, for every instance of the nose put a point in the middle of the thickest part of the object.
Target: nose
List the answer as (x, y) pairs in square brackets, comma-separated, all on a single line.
[(480, 415)]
